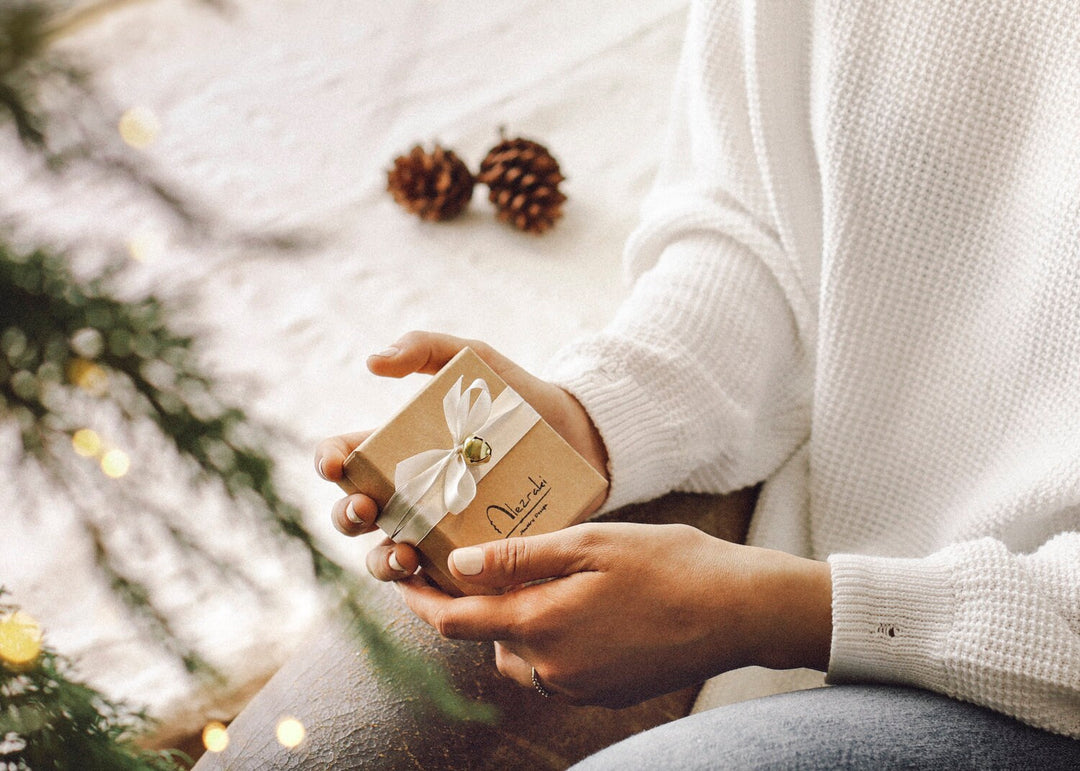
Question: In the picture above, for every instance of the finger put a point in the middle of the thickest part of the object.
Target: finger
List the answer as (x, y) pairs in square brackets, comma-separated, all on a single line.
[(462, 618), (428, 352), (354, 514), (513, 561), (525, 672), (391, 561), (424, 352), (512, 666), (331, 453)]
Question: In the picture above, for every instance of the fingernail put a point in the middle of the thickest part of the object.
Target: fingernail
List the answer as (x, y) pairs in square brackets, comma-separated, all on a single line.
[(394, 564), (322, 468), (387, 352), (469, 561), (351, 515)]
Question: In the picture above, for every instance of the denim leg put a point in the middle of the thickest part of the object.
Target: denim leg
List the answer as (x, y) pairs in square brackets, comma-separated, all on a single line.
[(843, 727)]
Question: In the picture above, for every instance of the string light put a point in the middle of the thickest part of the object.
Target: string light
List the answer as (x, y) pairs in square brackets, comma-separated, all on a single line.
[(86, 442), (146, 246), (115, 463), (139, 127), (215, 737), (20, 639), (88, 376), (290, 732)]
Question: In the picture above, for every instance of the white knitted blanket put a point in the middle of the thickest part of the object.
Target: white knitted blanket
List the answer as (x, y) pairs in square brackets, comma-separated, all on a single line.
[(287, 115)]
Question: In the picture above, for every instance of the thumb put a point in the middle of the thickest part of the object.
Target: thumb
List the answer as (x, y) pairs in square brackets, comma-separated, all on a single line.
[(424, 352), (518, 560), (427, 352)]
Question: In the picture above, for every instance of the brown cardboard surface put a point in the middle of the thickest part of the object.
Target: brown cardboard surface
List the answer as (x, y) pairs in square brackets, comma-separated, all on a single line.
[(542, 485)]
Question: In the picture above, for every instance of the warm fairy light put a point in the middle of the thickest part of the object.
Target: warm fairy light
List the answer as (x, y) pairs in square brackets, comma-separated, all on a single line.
[(139, 127), (86, 442), (115, 463), (290, 732), (215, 737), (20, 639), (88, 376), (146, 246)]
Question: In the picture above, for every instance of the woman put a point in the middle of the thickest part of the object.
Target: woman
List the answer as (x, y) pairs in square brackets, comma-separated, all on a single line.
[(857, 280)]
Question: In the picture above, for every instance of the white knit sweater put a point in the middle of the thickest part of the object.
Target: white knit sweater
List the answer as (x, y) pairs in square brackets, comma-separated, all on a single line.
[(858, 278)]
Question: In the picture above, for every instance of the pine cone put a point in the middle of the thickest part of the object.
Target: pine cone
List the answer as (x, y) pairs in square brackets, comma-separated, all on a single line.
[(433, 186), (523, 180)]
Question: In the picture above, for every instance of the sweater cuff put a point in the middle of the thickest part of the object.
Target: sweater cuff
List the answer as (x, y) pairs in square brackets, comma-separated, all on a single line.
[(891, 620), (626, 415)]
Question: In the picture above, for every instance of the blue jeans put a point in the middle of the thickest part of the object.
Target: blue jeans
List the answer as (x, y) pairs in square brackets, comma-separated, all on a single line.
[(843, 727)]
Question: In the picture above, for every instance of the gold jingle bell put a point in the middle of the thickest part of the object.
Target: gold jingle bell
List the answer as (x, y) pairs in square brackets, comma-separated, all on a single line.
[(475, 450)]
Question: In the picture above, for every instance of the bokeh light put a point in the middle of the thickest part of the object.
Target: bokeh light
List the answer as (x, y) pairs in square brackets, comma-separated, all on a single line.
[(87, 342), (215, 736), (115, 463), (146, 246), (20, 639), (290, 732), (88, 376), (139, 127), (86, 442)]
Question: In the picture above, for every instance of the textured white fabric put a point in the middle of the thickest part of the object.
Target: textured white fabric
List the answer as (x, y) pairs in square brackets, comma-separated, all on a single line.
[(858, 277), (283, 116)]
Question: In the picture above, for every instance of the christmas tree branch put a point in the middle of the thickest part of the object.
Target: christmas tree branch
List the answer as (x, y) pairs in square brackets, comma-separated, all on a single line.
[(137, 596), (29, 67), (85, 15), (75, 356), (91, 348), (51, 720)]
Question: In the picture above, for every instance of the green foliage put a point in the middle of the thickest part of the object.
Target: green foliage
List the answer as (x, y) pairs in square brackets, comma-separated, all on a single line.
[(72, 348), (64, 341), (24, 67), (51, 720)]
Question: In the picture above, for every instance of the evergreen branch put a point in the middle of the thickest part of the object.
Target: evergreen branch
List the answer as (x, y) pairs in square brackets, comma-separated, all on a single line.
[(26, 123), (218, 440), (83, 16), (51, 720), (197, 221), (24, 66), (136, 596), (77, 19), (29, 65), (22, 34), (54, 326)]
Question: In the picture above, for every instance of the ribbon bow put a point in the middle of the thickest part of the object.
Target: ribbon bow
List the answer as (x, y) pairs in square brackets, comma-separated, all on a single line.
[(432, 483)]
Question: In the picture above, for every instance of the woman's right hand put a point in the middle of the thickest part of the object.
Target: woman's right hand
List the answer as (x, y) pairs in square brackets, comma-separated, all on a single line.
[(426, 353)]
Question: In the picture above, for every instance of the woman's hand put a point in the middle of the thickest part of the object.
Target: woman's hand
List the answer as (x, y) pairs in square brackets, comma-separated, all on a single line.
[(427, 352), (632, 611)]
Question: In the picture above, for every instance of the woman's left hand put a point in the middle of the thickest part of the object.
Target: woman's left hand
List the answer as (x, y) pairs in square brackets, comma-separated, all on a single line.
[(624, 612)]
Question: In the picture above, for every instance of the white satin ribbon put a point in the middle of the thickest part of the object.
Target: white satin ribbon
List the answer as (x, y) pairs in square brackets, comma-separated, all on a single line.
[(433, 483)]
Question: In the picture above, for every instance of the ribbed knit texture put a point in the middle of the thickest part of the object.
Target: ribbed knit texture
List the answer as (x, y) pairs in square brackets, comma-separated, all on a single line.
[(858, 277)]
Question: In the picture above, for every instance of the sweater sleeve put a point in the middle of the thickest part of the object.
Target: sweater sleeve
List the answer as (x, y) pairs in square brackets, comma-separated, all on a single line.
[(700, 383), (972, 621)]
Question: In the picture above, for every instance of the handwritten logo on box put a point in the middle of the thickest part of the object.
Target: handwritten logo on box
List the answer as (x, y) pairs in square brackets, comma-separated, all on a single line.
[(510, 519)]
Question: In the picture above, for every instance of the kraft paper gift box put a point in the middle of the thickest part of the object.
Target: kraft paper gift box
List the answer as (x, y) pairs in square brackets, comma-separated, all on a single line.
[(467, 443)]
